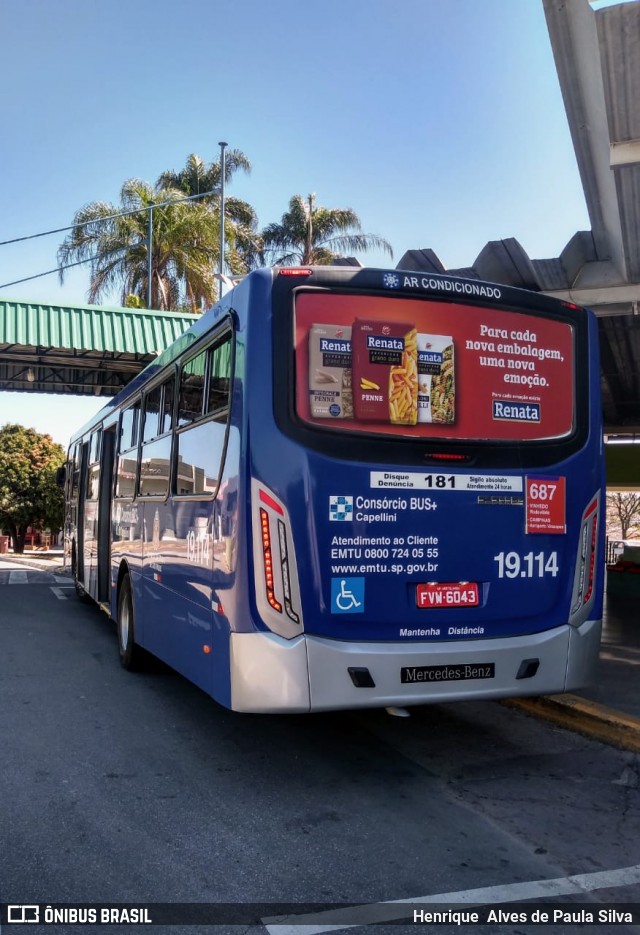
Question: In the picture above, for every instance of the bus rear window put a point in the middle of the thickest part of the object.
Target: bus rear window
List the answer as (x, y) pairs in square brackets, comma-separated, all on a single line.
[(429, 369)]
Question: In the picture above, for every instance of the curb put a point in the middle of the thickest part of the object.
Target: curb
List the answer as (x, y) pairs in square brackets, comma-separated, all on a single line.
[(585, 717)]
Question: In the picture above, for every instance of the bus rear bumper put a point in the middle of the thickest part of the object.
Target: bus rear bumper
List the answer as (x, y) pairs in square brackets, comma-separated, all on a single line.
[(584, 649), (270, 674), (566, 658)]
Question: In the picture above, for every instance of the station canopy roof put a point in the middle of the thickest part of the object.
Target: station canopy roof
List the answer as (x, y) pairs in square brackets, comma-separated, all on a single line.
[(80, 350)]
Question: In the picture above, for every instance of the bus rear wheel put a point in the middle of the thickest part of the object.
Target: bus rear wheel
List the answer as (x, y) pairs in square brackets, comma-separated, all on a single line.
[(130, 652)]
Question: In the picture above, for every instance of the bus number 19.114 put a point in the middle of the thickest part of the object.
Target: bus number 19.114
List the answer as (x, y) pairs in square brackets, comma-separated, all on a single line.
[(531, 565)]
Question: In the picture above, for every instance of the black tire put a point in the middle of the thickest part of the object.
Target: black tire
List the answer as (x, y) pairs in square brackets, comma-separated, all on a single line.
[(130, 652)]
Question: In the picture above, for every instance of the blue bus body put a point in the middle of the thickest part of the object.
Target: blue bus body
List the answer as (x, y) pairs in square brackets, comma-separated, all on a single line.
[(285, 561)]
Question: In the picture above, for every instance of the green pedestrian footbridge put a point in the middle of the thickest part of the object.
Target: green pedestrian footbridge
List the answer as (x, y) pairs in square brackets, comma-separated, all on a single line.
[(80, 350)]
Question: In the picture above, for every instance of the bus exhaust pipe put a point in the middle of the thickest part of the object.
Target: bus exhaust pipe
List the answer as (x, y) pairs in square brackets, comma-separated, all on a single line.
[(395, 711)]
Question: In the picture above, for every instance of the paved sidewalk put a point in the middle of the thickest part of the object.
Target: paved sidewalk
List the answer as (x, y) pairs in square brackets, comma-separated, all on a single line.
[(52, 560), (609, 709)]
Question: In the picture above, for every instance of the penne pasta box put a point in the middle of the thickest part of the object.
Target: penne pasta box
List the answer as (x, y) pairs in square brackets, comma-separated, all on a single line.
[(436, 384), (330, 372), (385, 372)]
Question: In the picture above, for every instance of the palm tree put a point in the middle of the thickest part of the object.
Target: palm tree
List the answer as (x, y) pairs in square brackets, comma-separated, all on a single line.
[(241, 221), (184, 247), (197, 177), (315, 235)]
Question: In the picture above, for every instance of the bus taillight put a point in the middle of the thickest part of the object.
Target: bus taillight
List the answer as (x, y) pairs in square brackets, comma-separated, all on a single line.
[(268, 561), (449, 456), (295, 271), (584, 579), (277, 586), (592, 560)]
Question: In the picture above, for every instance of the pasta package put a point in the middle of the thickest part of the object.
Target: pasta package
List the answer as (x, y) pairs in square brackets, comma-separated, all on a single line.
[(385, 372), (436, 382), (330, 391)]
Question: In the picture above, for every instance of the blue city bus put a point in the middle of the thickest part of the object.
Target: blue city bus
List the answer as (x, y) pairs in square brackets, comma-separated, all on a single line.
[(347, 488)]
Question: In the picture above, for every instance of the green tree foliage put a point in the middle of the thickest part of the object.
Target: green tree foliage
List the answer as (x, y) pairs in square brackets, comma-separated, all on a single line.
[(185, 241), (29, 495), (243, 243), (312, 234), (184, 247), (185, 238)]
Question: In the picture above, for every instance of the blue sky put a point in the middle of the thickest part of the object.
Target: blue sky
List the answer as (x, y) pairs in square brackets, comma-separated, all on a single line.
[(440, 122)]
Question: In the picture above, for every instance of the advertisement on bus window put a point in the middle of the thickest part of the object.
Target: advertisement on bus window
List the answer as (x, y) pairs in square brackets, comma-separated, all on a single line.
[(425, 369)]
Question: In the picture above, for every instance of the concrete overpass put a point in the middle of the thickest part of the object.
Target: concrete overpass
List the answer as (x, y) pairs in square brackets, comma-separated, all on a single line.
[(597, 57)]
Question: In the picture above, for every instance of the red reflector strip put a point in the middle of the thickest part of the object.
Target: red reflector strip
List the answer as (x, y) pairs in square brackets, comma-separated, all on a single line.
[(590, 509), (271, 502), (447, 457)]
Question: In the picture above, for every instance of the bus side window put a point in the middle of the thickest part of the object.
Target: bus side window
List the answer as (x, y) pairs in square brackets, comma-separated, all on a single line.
[(93, 476), (200, 445), (155, 465), (166, 414), (192, 389), (96, 439), (75, 472), (155, 459), (219, 376), (128, 452), (129, 427), (151, 414)]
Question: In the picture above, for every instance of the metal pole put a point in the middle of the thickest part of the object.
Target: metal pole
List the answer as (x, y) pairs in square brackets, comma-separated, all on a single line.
[(222, 174), (149, 257)]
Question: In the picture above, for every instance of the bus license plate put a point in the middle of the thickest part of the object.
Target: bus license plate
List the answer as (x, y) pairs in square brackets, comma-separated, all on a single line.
[(458, 594)]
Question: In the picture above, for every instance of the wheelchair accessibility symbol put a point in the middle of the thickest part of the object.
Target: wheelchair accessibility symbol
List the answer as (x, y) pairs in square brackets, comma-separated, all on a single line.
[(347, 595)]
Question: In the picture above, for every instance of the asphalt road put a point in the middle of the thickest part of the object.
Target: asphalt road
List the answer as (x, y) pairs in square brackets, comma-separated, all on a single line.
[(123, 788)]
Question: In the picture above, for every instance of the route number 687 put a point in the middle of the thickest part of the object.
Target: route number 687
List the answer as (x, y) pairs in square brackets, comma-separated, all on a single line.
[(542, 491)]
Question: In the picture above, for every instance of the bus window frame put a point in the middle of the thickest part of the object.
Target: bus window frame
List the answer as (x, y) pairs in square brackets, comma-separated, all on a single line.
[(168, 374), (95, 446), (203, 351), (74, 473), (224, 331), (173, 376), (137, 401), (143, 409), (92, 479), (135, 430)]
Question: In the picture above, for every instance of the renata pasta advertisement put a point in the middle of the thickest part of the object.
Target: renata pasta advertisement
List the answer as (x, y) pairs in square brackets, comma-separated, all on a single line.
[(427, 369)]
